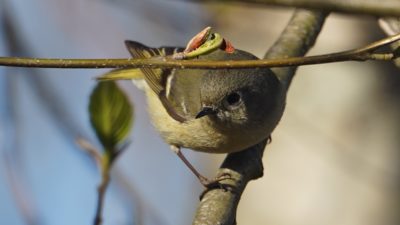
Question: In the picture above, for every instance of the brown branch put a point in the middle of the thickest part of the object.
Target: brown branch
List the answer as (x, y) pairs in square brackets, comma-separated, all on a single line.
[(298, 43), (366, 7), (218, 206), (277, 60), (390, 26), (101, 191)]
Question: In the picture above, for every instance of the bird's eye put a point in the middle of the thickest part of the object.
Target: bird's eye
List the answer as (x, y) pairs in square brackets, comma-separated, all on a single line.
[(233, 99)]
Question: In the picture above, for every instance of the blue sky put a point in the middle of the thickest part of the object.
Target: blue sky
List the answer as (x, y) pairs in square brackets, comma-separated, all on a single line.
[(43, 110)]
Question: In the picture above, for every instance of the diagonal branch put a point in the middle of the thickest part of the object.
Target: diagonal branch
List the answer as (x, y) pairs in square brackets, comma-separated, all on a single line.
[(297, 43), (218, 206), (368, 7)]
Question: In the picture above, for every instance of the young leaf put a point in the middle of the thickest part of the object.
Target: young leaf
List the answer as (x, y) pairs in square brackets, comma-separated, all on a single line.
[(111, 114)]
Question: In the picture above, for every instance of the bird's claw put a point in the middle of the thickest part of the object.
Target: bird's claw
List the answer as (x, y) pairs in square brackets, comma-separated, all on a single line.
[(207, 183), (215, 183)]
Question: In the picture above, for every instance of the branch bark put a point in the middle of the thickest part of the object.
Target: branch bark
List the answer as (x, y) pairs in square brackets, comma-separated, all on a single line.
[(276, 60), (296, 39), (366, 7), (218, 206)]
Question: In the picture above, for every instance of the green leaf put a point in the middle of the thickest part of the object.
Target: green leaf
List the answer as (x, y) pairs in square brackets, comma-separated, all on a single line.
[(111, 114)]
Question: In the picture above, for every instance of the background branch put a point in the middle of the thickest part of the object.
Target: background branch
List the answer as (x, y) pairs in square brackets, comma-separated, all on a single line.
[(295, 40), (218, 206), (370, 7)]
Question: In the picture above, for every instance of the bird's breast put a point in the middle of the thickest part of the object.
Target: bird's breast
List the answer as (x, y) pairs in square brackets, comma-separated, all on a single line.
[(197, 134)]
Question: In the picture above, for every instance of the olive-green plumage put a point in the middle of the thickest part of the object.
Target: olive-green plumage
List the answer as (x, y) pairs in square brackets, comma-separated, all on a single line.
[(215, 111)]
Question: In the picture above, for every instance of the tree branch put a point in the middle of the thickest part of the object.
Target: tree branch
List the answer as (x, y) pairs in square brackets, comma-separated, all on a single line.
[(297, 38), (218, 206), (368, 7), (280, 57)]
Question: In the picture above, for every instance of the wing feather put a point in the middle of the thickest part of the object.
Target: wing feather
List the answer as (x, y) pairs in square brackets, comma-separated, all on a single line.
[(157, 79)]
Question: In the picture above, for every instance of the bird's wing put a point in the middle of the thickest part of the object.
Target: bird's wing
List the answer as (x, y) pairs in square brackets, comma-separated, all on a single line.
[(183, 91), (157, 79)]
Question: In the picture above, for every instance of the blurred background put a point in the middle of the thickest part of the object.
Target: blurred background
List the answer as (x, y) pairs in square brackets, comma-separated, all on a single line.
[(334, 157)]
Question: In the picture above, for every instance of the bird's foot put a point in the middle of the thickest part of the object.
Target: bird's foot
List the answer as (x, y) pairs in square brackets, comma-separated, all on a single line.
[(215, 183)]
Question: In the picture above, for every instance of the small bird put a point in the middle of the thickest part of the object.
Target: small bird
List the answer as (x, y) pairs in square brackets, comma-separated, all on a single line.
[(213, 111)]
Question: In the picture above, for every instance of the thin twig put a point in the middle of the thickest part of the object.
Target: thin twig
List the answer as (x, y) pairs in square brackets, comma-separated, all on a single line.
[(104, 164), (105, 180), (366, 7), (358, 54), (92, 151), (218, 206)]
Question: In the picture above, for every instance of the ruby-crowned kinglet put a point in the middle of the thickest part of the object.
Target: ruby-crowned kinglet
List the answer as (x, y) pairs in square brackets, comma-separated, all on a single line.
[(214, 111)]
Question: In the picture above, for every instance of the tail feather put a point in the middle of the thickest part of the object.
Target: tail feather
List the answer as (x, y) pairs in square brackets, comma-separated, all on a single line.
[(122, 74)]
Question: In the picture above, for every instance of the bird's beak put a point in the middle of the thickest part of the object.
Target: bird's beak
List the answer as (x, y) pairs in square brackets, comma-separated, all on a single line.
[(206, 110)]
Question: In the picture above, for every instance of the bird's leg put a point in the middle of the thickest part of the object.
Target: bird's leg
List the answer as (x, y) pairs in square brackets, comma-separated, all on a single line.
[(203, 180)]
